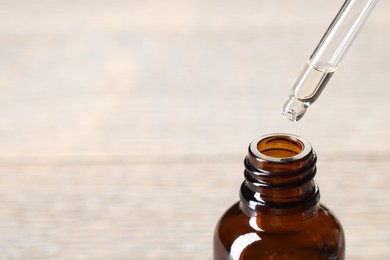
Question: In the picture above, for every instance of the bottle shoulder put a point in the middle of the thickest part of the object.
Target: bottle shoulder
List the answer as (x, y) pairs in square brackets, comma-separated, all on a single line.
[(235, 218), (238, 233)]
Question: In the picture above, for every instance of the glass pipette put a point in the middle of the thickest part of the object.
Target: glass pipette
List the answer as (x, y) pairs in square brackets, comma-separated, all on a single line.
[(326, 57)]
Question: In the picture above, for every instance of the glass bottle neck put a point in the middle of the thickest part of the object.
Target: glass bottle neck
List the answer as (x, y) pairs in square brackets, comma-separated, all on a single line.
[(279, 172)]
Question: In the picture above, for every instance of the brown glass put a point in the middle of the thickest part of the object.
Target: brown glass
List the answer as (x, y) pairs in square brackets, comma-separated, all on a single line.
[(279, 215)]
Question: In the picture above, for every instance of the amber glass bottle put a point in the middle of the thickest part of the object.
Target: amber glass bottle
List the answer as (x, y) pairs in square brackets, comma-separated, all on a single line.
[(279, 215)]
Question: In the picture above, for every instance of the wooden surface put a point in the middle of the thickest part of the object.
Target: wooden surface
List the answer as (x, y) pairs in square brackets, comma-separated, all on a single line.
[(124, 124)]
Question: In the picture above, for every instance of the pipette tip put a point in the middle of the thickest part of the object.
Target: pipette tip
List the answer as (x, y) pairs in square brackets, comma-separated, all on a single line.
[(294, 109)]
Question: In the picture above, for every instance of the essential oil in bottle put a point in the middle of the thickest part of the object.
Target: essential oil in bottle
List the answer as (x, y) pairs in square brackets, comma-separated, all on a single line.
[(279, 215)]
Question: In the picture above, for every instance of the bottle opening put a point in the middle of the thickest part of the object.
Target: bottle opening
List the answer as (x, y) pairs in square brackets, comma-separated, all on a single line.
[(279, 152), (280, 146)]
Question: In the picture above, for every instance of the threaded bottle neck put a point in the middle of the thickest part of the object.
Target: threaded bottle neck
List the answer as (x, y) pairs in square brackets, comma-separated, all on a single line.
[(279, 172)]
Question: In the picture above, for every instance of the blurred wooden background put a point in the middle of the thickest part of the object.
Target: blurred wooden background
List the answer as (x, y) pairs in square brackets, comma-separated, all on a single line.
[(124, 124)]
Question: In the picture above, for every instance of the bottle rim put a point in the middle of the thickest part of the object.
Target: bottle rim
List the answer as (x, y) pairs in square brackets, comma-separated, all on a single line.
[(296, 145)]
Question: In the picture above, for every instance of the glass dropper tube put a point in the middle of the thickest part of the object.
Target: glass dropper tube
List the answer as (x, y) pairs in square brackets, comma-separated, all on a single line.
[(326, 57)]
